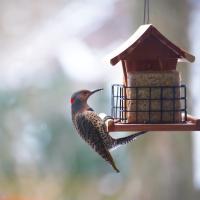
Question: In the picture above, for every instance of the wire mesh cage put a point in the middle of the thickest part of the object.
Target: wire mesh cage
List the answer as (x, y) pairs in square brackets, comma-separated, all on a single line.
[(151, 105)]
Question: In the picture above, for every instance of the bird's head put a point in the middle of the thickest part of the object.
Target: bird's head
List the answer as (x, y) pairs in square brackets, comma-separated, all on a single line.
[(82, 96)]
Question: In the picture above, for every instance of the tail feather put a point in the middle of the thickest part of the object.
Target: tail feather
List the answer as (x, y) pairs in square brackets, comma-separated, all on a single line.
[(130, 138), (105, 154), (114, 167)]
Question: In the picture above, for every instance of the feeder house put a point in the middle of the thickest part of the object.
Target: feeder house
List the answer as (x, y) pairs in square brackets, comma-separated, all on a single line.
[(151, 93)]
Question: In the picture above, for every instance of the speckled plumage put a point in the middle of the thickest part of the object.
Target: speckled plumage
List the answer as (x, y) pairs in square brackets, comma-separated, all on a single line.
[(93, 129)]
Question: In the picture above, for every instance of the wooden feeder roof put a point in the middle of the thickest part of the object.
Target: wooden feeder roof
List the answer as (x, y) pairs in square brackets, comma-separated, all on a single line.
[(143, 32)]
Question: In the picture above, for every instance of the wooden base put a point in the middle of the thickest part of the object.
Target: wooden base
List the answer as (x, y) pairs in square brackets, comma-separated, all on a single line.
[(192, 124)]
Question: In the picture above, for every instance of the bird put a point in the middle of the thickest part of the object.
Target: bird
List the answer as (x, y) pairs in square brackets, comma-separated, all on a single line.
[(92, 128)]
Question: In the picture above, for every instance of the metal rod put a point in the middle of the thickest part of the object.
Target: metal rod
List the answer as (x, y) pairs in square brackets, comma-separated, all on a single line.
[(174, 101), (185, 95), (116, 110), (161, 104), (150, 105), (146, 12), (125, 99), (136, 109), (120, 104), (113, 102)]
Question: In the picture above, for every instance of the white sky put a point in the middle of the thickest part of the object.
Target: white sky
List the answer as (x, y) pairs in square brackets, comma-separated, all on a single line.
[(60, 38)]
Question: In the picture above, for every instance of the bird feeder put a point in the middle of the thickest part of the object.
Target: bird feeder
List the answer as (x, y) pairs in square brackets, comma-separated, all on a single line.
[(151, 97)]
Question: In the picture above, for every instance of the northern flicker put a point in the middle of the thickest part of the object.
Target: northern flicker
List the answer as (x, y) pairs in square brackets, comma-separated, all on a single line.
[(93, 129)]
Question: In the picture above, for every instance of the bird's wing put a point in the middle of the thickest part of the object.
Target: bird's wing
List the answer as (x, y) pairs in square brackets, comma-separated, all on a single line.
[(91, 128), (91, 125)]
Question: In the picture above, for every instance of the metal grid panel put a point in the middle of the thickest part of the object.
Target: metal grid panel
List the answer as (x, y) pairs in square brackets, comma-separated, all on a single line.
[(119, 103)]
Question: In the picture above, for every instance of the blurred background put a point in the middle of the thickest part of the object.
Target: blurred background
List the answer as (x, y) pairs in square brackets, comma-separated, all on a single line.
[(51, 48)]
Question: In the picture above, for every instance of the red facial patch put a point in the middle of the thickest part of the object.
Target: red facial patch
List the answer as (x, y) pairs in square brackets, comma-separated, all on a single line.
[(72, 100)]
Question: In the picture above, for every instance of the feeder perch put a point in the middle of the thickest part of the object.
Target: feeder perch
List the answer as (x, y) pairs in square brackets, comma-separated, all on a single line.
[(151, 97)]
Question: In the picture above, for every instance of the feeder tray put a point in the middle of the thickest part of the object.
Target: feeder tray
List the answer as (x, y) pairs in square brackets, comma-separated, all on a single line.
[(192, 124)]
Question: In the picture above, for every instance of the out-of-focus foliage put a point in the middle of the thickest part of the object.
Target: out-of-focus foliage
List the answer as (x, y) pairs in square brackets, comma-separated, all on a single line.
[(38, 142)]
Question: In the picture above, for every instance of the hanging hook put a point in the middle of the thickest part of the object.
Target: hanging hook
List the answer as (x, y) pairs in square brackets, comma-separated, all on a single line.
[(146, 12)]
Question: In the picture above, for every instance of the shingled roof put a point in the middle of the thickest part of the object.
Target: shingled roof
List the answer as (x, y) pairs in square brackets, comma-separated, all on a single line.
[(138, 37)]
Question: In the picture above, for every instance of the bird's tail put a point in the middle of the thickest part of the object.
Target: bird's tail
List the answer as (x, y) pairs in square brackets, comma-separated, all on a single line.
[(130, 138), (107, 156), (114, 167), (101, 149)]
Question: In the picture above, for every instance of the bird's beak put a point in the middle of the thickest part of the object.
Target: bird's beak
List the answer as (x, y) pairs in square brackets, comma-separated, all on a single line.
[(94, 91)]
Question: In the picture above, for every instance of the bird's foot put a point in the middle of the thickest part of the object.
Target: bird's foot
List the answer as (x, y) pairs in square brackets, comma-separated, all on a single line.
[(107, 118), (111, 118)]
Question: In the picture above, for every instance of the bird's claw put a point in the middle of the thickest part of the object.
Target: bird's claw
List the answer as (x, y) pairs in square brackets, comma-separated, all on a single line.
[(107, 118)]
